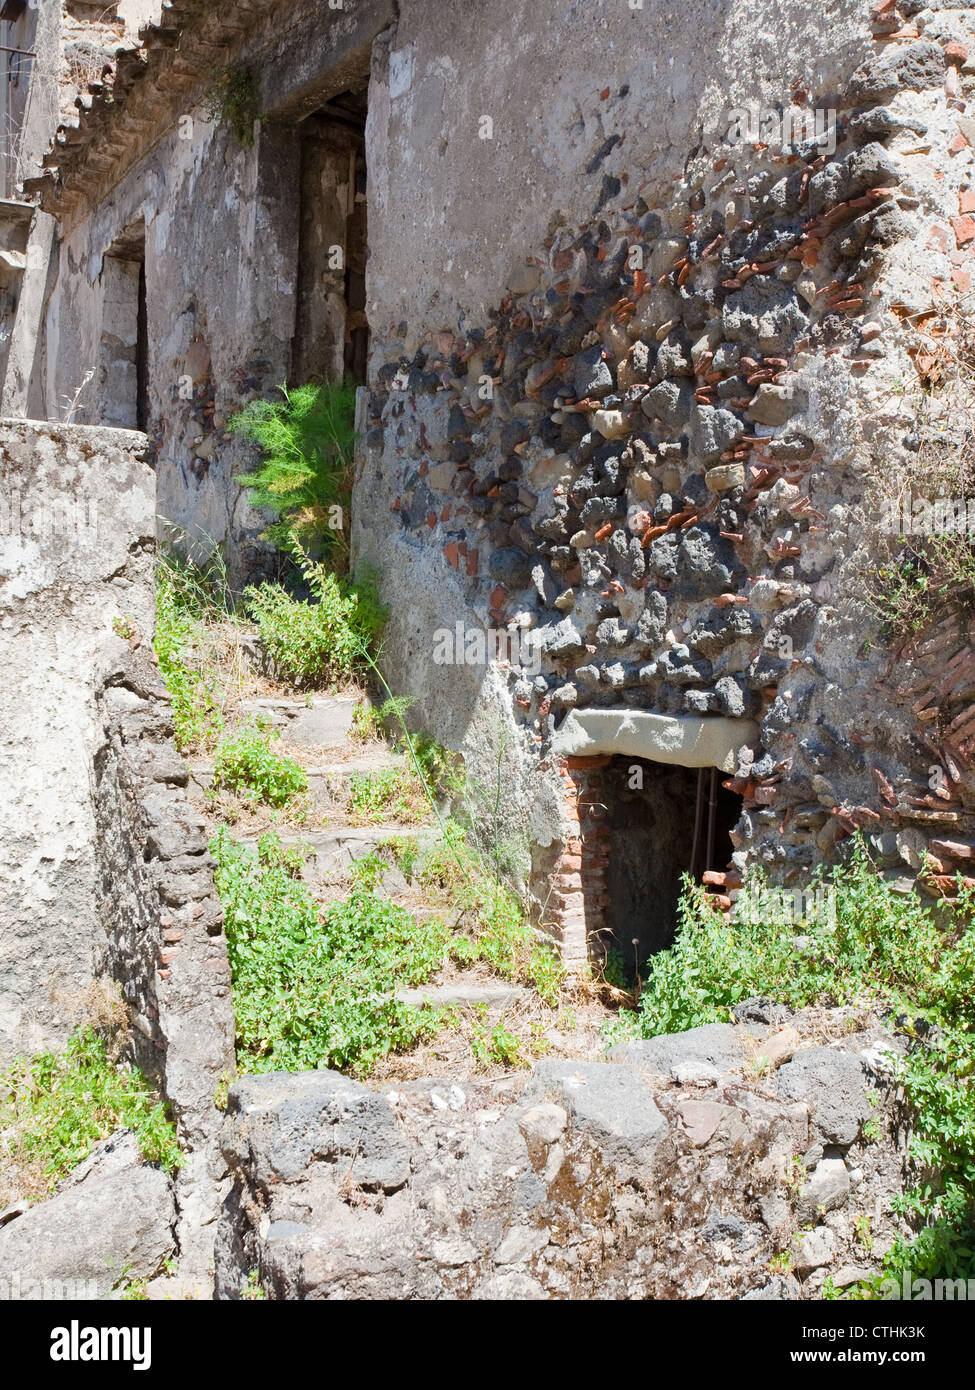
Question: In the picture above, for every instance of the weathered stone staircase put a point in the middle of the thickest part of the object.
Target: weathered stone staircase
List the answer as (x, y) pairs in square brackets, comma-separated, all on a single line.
[(317, 732)]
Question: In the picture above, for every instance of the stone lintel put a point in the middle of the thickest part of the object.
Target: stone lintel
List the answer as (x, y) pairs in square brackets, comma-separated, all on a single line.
[(688, 740)]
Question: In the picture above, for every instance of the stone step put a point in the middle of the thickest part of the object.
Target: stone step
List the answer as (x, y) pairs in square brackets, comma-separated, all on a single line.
[(333, 851), (328, 782), (318, 721), (460, 995)]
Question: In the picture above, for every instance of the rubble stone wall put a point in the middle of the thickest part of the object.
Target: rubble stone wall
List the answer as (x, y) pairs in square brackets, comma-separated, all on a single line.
[(638, 412)]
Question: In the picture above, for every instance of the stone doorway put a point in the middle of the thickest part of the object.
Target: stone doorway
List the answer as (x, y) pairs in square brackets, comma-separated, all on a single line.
[(638, 826), (331, 330), (123, 347), (662, 822)]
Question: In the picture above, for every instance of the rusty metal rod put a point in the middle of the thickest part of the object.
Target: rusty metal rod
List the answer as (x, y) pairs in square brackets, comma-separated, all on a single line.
[(712, 812), (698, 818)]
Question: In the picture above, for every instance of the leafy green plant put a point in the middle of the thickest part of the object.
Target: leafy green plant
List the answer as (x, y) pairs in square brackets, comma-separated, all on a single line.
[(317, 989), (308, 440), (247, 765), (913, 587), (499, 1045), (251, 1290), (494, 927), (132, 1291), (197, 715), (313, 644), (370, 722), (884, 948), (232, 101), (386, 794), (59, 1104)]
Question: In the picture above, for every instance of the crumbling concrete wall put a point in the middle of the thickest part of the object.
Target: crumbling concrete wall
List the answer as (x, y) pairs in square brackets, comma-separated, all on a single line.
[(78, 524), (632, 402), (104, 869)]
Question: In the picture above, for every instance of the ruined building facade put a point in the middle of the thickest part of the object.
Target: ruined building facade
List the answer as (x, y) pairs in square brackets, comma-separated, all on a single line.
[(640, 300)]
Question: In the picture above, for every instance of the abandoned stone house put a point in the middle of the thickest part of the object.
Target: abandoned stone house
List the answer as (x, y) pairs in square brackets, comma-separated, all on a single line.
[(645, 304), (626, 377)]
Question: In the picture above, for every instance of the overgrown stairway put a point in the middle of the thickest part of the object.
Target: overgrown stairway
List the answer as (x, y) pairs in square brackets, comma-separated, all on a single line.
[(345, 830)]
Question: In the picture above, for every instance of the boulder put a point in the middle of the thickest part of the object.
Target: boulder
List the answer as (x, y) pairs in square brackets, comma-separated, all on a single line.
[(831, 1083), (699, 1055), (111, 1222), (281, 1124), (611, 1104)]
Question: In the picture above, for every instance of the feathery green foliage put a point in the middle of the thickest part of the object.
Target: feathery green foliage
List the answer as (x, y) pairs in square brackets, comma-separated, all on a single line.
[(308, 440)]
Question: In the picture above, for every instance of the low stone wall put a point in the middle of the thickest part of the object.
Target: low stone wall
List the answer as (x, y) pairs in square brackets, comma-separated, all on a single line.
[(164, 925), (686, 1167), (104, 868)]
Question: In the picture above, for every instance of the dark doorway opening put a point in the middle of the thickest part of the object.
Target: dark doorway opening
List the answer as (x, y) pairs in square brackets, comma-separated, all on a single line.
[(653, 811), (331, 329), (123, 349)]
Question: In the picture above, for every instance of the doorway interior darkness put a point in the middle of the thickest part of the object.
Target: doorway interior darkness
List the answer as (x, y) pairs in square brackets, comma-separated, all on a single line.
[(331, 333), (663, 821), (123, 349)]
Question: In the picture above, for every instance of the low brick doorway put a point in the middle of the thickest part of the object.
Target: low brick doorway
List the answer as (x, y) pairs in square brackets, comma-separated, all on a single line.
[(641, 826)]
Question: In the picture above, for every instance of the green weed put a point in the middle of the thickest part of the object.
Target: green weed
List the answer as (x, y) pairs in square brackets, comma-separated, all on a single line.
[(317, 988), (247, 765), (59, 1104)]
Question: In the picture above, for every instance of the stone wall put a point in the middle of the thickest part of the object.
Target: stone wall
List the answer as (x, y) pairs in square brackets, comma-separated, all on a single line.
[(630, 402), (686, 1167), (222, 236), (638, 412), (105, 870)]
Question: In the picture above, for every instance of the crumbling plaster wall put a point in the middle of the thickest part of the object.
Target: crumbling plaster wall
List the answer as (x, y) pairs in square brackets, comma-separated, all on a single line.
[(740, 389), (221, 257), (75, 556), (104, 867)]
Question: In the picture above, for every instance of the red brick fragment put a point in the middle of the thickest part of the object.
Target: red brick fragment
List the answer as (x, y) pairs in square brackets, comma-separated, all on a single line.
[(964, 229)]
